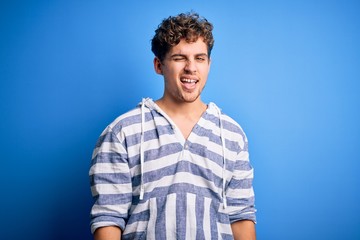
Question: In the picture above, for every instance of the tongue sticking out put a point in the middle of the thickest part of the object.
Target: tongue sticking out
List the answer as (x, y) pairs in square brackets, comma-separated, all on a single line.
[(189, 84)]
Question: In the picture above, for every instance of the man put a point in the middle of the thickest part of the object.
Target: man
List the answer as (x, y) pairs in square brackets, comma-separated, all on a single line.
[(175, 168)]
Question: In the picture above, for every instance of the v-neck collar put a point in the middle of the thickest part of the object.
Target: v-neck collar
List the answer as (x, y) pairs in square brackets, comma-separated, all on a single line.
[(176, 129)]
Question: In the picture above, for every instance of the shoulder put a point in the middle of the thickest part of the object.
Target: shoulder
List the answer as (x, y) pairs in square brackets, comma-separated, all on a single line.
[(228, 122), (125, 120), (232, 125), (232, 129)]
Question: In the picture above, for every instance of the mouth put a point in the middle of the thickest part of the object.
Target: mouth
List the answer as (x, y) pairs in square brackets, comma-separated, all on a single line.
[(188, 80), (189, 83)]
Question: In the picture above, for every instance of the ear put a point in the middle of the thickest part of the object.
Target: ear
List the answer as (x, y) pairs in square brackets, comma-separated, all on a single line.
[(157, 65)]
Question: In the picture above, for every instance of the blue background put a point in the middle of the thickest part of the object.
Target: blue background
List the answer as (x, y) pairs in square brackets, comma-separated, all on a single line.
[(287, 71)]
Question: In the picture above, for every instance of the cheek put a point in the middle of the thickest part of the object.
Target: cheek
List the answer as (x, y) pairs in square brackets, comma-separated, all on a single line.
[(205, 71), (172, 73)]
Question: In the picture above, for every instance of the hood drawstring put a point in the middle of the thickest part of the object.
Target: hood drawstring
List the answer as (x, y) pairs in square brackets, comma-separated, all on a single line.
[(142, 149), (224, 159)]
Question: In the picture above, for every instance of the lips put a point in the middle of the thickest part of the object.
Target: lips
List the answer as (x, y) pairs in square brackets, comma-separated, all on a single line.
[(189, 83)]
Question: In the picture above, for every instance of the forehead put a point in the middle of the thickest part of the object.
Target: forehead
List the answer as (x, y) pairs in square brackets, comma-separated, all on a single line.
[(192, 48)]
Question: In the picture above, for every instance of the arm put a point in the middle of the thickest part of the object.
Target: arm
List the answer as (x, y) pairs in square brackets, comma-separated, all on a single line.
[(241, 199), (110, 186), (243, 230), (107, 233)]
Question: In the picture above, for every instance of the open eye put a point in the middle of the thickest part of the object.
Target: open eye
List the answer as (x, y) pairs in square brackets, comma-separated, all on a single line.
[(201, 58)]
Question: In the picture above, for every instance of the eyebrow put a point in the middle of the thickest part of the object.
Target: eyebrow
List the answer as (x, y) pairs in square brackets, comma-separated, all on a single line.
[(183, 55)]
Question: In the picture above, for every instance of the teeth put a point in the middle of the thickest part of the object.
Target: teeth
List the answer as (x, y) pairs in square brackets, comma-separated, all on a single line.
[(188, 80)]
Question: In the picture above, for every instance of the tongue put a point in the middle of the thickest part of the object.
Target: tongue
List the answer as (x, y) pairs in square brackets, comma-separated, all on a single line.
[(188, 85)]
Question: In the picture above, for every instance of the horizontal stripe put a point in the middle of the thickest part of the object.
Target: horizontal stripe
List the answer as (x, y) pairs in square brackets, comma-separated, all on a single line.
[(109, 157), (212, 118), (202, 131), (156, 154), (110, 188), (107, 136), (110, 178), (120, 210), (240, 183), (173, 168), (236, 193), (183, 171), (104, 222), (243, 165), (134, 235), (243, 174), (180, 188), (139, 226), (165, 161), (140, 216), (109, 147), (213, 166), (139, 207), (202, 151), (228, 123), (243, 216), (237, 206), (149, 135), (171, 161), (133, 118), (214, 138), (164, 150), (102, 167), (241, 203), (112, 199)]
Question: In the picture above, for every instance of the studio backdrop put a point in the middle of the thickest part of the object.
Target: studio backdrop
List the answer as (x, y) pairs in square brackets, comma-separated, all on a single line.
[(287, 71)]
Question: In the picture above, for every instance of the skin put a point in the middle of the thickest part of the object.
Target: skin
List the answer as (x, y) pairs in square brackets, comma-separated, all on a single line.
[(243, 230), (182, 102), (107, 233), (185, 69)]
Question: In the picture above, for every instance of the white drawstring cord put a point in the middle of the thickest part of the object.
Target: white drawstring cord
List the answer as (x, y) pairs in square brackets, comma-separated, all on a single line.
[(141, 149), (224, 159)]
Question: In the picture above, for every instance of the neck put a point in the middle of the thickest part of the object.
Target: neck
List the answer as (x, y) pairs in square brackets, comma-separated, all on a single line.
[(190, 109)]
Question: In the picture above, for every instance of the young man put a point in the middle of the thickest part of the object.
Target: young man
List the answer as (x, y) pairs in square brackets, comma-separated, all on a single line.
[(175, 168)]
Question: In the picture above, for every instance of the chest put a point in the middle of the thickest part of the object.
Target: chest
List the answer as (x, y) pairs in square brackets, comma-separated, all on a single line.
[(185, 126), (169, 155)]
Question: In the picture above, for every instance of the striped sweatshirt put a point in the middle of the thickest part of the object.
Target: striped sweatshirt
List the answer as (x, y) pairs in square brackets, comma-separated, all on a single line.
[(150, 181)]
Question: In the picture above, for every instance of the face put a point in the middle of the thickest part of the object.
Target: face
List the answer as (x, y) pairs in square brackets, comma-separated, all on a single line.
[(185, 69)]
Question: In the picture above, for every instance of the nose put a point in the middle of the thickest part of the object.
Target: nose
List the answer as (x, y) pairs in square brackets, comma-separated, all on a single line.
[(190, 66)]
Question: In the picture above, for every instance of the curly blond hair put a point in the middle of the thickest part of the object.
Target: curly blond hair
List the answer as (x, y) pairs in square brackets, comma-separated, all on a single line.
[(188, 26)]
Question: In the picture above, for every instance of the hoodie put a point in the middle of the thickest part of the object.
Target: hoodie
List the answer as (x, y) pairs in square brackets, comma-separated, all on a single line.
[(153, 183)]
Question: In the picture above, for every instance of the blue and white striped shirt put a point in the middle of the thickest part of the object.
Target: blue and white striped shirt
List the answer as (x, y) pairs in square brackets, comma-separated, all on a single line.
[(193, 188)]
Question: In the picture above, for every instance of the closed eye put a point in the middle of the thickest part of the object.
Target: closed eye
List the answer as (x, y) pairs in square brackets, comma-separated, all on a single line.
[(178, 58), (181, 58)]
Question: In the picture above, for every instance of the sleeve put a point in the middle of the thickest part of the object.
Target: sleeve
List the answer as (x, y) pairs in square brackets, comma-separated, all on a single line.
[(110, 182), (240, 192)]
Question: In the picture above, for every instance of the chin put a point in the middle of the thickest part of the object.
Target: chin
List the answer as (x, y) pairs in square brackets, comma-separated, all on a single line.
[(188, 99)]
